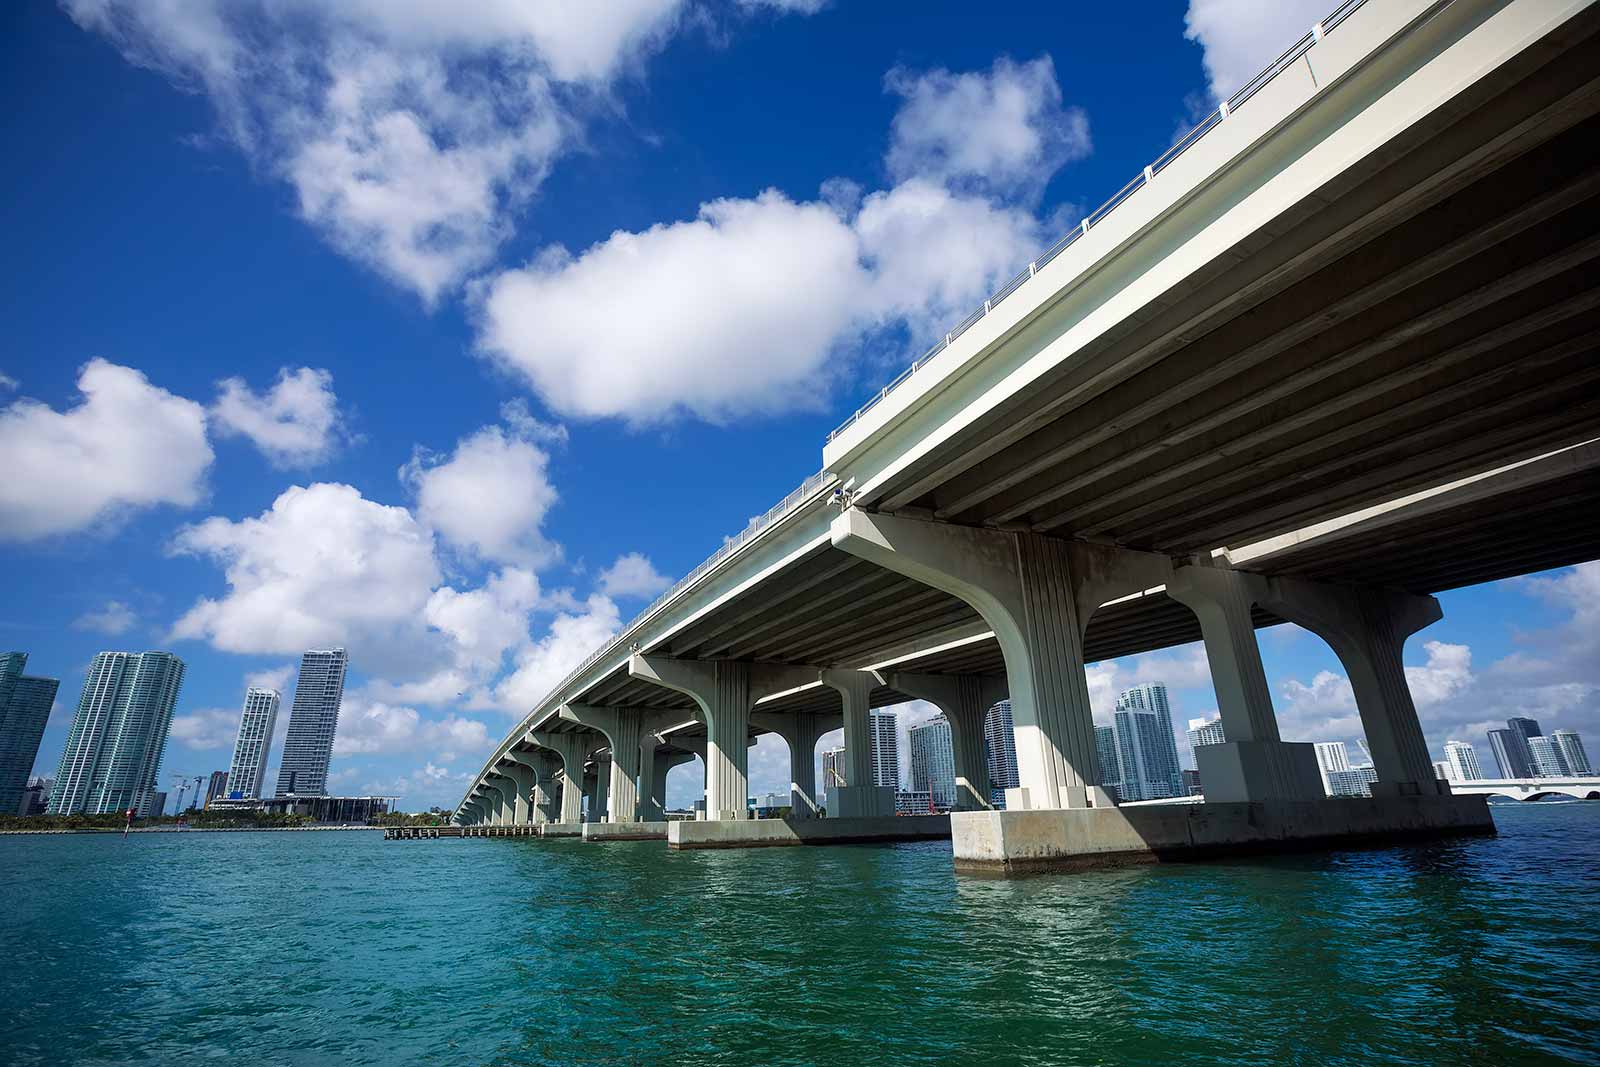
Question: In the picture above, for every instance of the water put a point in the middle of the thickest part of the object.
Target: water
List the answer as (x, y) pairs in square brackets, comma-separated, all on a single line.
[(341, 948)]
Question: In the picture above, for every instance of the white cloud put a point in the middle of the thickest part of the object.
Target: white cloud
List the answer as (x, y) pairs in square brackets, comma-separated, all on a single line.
[(295, 424), (275, 678), (322, 566), (7, 383), (114, 618), (1005, 130), (632, 575), (205, 729), (491, 494), (796, 7), (127, 445), (1325, 709), (541, 667), (1240, 37)]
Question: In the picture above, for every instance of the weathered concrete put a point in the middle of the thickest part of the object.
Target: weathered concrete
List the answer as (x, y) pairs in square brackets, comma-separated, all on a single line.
[(1013, 842), (764, 833), (562, 829), (625, 831)]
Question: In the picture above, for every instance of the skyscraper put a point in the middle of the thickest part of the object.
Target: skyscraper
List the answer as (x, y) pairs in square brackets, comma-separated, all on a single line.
[(1524, 730), (119, 734), (248, 771), (1331, 760), (1463, 760), (24, 706), (1206, 732), (1570, 745), (832, 772), (885, 748), (933, 761), (1105, 755), (314, 719), (217, 787), (1547, 759), (1510, 753), (1000, 743), (1147, 749)]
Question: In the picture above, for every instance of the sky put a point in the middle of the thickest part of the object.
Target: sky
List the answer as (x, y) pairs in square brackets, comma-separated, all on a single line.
[(454, 333)]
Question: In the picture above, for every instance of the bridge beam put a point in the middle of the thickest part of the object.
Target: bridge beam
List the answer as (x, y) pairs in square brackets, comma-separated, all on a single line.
[(571, 750), (1254, 763), (965, 700), (724, 691), (1367, 630), (800, 731), (1036, 593)]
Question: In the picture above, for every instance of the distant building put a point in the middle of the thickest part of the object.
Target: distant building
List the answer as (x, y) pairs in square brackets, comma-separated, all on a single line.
[(1352, 782), (349, 811), (1525, 730), (1570, 745), (1463, 760), (1441, 770), (1106, 761), (832, 771), (1000, 745), (1206, 732), (1510, 753), (313, 721), (1331, 759), (884, 725), (933, 761), (1548, 761), (1191, 783), (35, 796), (218, 786), (113, 751), (247, 774), (25, 704), (913, 802), (1147, 748)]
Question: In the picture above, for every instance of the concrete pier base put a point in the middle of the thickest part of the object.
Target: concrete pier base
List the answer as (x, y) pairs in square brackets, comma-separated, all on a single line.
[(1019, 842), (562, 829), (624, 831), (764, 833)]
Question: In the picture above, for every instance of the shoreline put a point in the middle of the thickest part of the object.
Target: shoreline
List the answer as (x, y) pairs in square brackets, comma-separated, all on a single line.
[(188, 830)]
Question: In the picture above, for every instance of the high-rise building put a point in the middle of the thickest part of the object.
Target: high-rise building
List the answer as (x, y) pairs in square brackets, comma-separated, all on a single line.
[(1000, 745), (248, 771), (1106, 760), (155, 804), (832, 771), (1548, 761), (1352, 781), (35, 796), (1463, 760), (933, 761), (217, 787), (313, 720), (1331, 760), (1206, 732), (119, 734), (1510, 753), (1191, 783), (1570, 745), (1442, 771), (1147, 749), (24, 706), (1525, 730), (885, 748)]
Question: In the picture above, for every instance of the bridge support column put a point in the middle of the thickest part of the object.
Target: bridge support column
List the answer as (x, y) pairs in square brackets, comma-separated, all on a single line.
[(1037, 594), (800, 732), (1367, 630), (522, 785), (544, 799), (497, 804), (508, 796), (860, 795), (626, 729), (1255, 763), (570, 749), (724, 691), (965, 700), (662, 759)]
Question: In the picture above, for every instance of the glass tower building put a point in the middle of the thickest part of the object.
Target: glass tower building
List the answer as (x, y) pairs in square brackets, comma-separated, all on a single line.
[(1463, 760), (933, 761), (1570, 745), (1147, 749), (24, 706), (1547, 759), (248, 771), (885, 748), (119, 734), (1000, 745), (1105, 755), (313, 721), (1510, 752)]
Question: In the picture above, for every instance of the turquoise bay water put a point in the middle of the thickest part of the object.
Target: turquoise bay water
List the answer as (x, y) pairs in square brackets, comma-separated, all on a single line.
[(341, 948)]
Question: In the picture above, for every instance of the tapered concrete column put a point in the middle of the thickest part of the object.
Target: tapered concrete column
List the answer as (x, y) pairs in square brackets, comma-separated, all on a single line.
[(724, 691), (663, 760), (1221, 599), (859, 795), (497, 804), (965, 700), (1367, 630), (542, 797), (800, 732), (571, 750), (508, 787), (1037, 594), (522, 785), (625, 729)]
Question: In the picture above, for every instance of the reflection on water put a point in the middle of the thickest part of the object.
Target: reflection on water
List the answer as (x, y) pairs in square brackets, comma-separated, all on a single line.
[(340, 948)]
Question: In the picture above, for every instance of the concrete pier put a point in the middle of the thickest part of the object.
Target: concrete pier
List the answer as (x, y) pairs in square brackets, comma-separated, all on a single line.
[(561, 829), (624, 831), (1021, 842), (764, 833)]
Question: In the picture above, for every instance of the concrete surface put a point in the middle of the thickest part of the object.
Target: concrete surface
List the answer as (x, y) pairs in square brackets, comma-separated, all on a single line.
[(763, 833), (624, 831)]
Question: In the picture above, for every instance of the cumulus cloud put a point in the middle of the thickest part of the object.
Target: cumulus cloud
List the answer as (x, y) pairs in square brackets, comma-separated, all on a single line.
[(490, 495), (7, 383), (128, 445), (369, 726), (206, 729), (295, 424), (115, 617), (632, 575), (1325, 708), (1004, 130), (1238, 38), (572, 635), (274, 678)]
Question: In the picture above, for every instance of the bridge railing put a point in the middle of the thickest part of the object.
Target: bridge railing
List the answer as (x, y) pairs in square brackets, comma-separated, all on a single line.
[(1145, 177)]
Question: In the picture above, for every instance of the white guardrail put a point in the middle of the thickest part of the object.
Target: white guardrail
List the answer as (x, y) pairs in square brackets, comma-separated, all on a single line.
[(1224, 109)]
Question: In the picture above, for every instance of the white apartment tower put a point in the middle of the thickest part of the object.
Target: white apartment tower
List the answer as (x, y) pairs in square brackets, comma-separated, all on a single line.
[(248, 772), (119, 734), (1463, 760), (885, 748)]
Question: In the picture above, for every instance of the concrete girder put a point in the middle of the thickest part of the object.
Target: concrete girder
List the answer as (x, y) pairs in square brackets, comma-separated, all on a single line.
[(570, 750), (1036, 594), (965, 700), (724, 691), (800, 731)]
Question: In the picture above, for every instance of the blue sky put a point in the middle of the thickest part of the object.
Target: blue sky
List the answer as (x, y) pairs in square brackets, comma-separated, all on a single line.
[(451, 333)]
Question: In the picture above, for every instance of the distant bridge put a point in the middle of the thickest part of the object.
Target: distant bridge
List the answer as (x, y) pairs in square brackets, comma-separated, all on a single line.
[(1580, 787)]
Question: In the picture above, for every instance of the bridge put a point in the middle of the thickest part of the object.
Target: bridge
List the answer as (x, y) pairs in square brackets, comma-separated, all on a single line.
[(1330, 354), (1579, 787)]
